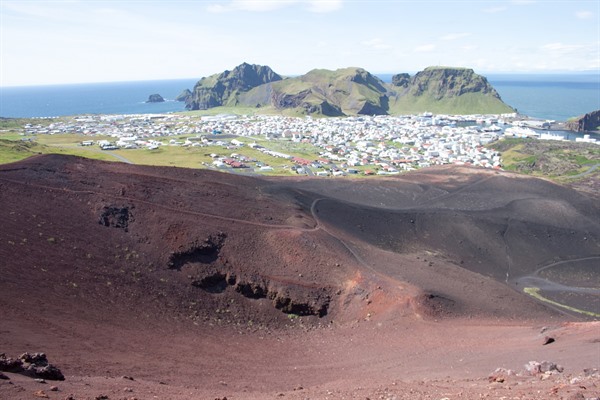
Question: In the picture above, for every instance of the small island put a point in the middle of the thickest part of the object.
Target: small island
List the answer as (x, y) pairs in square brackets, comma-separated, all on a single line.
[(155, 98)]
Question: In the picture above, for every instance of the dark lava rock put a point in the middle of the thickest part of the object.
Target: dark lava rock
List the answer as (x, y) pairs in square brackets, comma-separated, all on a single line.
[(401, 80), (587, 122), (8, 364), (548, 340), (33, 365), (155, 98), (116, 217)]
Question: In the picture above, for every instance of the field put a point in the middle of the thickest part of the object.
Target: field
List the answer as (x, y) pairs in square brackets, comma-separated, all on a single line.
[(15, 146)]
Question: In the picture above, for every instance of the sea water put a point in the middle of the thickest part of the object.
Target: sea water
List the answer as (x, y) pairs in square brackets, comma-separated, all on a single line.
[(548, 97), (92, 98)]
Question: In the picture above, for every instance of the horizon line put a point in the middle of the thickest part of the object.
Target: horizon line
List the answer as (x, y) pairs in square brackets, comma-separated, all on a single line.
[(483, 73)]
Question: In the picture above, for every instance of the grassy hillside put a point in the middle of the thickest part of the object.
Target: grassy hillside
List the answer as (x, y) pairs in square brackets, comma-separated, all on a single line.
[(547, 158), (468, 103), (572, 164)]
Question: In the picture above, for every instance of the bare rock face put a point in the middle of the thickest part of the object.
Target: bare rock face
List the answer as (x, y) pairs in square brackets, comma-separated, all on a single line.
[(401, 80), (221, 89), (298, 100), (448, 82), (585, 123)]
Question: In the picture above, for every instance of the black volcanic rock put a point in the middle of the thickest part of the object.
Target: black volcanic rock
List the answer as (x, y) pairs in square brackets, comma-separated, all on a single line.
[(587, 122), (155, 98), (401, 80)]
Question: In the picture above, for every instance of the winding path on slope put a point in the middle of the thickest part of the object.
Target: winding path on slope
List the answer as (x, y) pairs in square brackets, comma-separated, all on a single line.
[(313, 210), (585, 173), (532, 285)]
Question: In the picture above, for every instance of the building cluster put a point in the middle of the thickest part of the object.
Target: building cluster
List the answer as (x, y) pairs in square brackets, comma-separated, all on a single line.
[(389, 144)]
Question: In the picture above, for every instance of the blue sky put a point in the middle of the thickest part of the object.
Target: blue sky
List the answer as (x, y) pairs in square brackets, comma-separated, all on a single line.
[(72, 41)]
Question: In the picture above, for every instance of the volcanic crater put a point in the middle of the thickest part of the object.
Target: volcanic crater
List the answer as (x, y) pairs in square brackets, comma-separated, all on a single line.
[(276, 284)]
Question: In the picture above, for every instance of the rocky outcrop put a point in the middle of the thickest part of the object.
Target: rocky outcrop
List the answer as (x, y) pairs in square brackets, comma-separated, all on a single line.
[(449, 82), (34, 365), (155, 98), (401, 80), (299, 101), (585, 123), (222, 89), (184, 95)]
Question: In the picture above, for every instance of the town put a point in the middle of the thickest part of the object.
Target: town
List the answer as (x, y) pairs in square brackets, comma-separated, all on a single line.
[(369, 145)]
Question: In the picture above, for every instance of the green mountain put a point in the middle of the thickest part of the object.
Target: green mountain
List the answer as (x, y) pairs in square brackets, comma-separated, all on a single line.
[(445, 90), (349, 91), (223, 89)]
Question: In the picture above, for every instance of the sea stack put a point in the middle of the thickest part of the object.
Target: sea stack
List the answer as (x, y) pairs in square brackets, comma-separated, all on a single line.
[(155, 98)]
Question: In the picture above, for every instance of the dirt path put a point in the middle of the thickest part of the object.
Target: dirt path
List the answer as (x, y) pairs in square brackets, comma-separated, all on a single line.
[(585, 173)]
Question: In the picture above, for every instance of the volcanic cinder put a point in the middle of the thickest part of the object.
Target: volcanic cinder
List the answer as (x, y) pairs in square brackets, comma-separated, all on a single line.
[(153, 282)]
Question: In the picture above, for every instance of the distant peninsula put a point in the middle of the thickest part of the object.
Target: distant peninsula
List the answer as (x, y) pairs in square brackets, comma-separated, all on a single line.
[(347, 92)]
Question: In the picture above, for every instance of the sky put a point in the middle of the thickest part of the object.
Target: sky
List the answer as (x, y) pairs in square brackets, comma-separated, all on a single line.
[(78, 41)]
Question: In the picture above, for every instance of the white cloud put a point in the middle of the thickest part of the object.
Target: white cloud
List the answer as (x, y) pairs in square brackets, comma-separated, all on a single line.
[(584, 14), (569, 56), (425, 48), (316, 6), (454, 36), (562, 48), (376, 43)]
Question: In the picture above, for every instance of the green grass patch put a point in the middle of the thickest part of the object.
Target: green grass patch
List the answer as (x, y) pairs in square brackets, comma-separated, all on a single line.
[(468, 103), (12, 151)]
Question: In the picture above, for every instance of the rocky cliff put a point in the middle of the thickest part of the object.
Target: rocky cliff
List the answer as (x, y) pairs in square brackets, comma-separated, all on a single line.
[(223, 89), (445, 82), (446, 89), (587, 122), (349, 91)]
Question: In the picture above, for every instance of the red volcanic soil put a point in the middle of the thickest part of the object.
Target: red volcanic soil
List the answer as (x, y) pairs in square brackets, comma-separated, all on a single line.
[(152, 282)]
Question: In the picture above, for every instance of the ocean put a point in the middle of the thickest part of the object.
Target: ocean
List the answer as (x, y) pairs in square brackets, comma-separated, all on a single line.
[(548, 97)]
